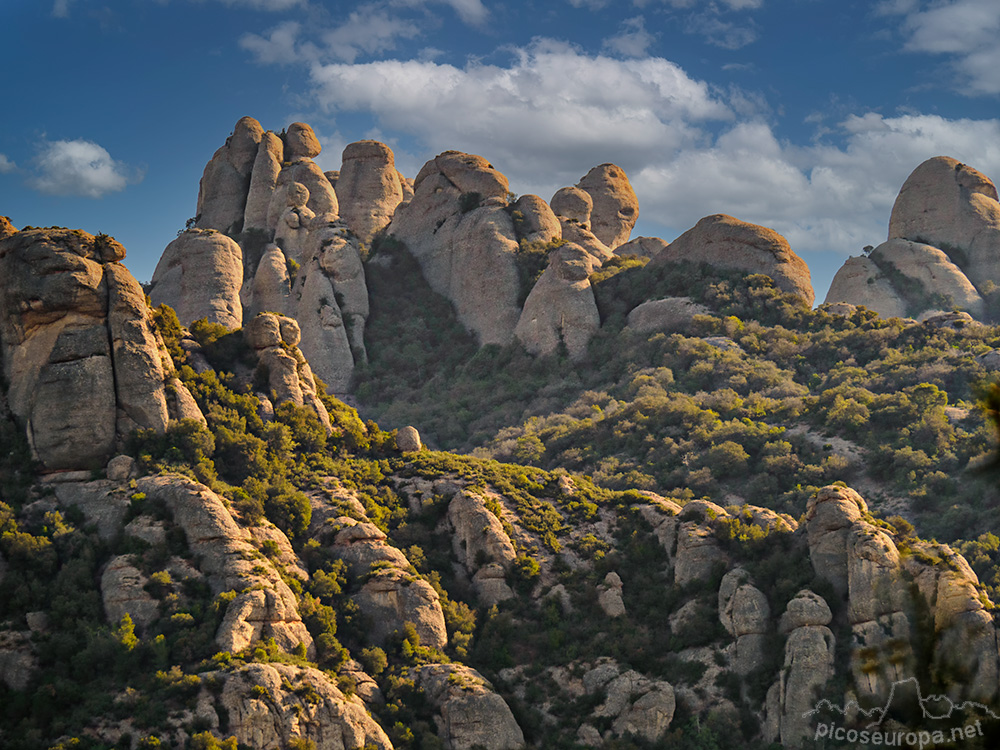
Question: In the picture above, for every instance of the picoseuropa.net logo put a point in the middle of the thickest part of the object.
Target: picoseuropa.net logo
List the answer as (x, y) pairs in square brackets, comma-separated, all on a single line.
[(942, 721)]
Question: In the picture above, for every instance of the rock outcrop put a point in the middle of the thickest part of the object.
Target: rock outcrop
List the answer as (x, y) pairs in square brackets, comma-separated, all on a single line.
[(729, 243), (951, 206), (199, 275), (942, 249), (222, 196), (745, 614), (74, 329), (469, 712), (275, 339), (561, 309), (615, 207), (458, 228), (269, 705), (368, 188), (673, 314), (480, 542)]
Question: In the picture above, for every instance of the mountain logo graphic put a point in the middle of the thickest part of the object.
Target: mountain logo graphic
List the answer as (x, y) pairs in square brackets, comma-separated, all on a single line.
[(933, 707)]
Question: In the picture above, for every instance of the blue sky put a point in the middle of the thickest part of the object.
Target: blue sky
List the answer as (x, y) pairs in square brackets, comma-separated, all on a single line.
[(802, 115)]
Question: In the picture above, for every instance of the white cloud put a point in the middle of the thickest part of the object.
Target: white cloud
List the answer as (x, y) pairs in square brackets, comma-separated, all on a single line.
[(60, 9), (80, 168), (279, 47), (6, 165), (965, 30), (632, 40), (820, 197), (550, 111), (367, 30), (472, 12)]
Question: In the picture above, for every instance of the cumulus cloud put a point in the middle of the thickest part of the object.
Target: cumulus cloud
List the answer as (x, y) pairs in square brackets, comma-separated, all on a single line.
[(472, 12), (632, 40), (551, 110), (81, 168), (964, 30), (6, 165), (821, 197)]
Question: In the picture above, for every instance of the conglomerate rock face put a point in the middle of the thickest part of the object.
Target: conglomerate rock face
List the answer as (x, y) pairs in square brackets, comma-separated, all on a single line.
[(74, 329)]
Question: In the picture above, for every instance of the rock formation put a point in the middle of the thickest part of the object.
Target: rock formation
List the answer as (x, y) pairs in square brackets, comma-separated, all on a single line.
[(275, 339), (560, 309), (668, 315), (615, 207), (199, 275), (75, 329), (222, 196), (729, 243), (368, 188), (470, 714), (941, 253), (458, 229)]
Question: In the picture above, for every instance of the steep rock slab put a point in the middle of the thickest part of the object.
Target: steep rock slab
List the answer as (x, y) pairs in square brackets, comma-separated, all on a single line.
[(263, 180), (616, 208), (293, 225), (745, 614), (860, 282), (271, 704), (561, 309), (830, 514), (200, 275), (368, 188), (729, 243), (72, 322), (458, 229), (951, 206), (393, 597), (222, 195)]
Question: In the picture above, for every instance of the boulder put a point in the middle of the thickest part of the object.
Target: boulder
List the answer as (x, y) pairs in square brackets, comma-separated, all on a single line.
[(339, 254), (609, 595), (636, 704), (615, 206), (860, 282), (479, 537), (301, 142), (222, 196), (458, 229), (269, 705), (561, 309), (269, 291), (672, 314), (123, 593), (470, 714), (745, 614), (18, 662), (534, 221), (805, 609), (951, 206), (199, 275), (368, 188), (574, 205), (942, 283), (322, 198), (408, 439), (641, 247), (729, 243)]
